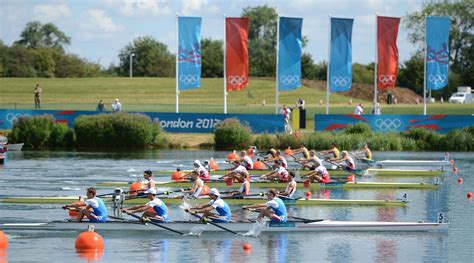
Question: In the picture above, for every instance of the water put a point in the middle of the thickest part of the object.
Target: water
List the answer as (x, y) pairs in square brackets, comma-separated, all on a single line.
[(36, 173)]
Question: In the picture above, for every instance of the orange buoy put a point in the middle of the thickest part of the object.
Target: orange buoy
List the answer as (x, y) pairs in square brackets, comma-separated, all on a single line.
[(3, 240), (229, 181), (288, 151), (350, 178), (177, 176), (258, 165), (90, 255), (469, 195), (205, 190), (455, 170), (247, 246), (136, 187), (306, 183), (213, 165), (233, 156), (451, 161), (90, 241), (250, 151), (308, 195), (460, 180)]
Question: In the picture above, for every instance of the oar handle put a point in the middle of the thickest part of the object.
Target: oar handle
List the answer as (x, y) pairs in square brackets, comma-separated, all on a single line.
[(210, 222)]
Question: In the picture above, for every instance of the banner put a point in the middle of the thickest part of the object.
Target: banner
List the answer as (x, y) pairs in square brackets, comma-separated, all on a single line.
[(189, 56), (387, 52), (237, 55), (394, 123), (289, 53), (437, 52), (340, 60)]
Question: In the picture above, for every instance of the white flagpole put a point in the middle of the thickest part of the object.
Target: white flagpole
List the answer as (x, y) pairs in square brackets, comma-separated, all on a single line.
[(424, 73), (376, 58), (327, 70), (225, 67), (277, 77), (177, 56)]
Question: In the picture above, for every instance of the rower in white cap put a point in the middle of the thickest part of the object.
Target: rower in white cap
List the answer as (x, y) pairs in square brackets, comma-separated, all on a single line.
[(223, 211), (159, 212)]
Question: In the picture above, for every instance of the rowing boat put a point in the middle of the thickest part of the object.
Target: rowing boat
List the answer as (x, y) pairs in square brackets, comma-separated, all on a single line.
[(234, 201), (336, 173), (345, 185), (241, 227), (398, 163)]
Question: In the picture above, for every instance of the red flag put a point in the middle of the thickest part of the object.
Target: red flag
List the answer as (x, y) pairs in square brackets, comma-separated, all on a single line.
[(237, 55), (387, 65)]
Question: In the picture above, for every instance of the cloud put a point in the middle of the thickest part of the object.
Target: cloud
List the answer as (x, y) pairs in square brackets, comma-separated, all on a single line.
[(51, 12), (96, 24), (140, 7), (190, 7)]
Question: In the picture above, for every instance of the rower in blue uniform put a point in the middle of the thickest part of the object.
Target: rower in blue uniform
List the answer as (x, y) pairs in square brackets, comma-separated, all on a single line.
[(159, 210), (274, 209), (223, 211), (93, 208)]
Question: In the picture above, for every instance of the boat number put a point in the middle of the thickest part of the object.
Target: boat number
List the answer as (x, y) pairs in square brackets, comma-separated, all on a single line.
[(440, 217), (207, 123)]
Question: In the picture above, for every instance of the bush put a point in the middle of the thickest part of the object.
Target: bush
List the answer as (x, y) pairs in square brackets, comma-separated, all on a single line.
[(231, 134), (425, 139), (385, 142), (359, 128), (117, 130), (39, 131), (284, 140), (458, 140), (264, 141)]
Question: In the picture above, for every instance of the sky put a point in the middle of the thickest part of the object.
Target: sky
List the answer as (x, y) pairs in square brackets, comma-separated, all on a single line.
[(100, 28)]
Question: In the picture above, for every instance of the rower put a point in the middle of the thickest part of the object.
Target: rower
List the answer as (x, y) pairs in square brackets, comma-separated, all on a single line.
[(93, 208), (198, 184), (223, 211), (345, 162), (159, 213), (302, 150), (280, 173), (274, 209), (290, 188), (149, 182), (367, 153), (247, 161), (244, 187), (334, 151), (318, 174), (200, 170), (238, 174), (278, 157), (312, 161)]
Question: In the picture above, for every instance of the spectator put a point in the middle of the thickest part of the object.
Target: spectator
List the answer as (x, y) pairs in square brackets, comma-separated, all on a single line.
[(300, 104), (350, 101), (377, 109), (359, 110), (286, 111), (395, 100), (37, 92), (116, 106), (101, 106)]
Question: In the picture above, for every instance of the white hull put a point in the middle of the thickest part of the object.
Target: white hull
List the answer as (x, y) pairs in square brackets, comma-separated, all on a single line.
[(419, 163), (242, 227)]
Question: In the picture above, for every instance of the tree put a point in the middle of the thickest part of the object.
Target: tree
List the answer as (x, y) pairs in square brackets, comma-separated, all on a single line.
[(212, 58), (363, 73), (410, 74), (35, 35), (152, 58)]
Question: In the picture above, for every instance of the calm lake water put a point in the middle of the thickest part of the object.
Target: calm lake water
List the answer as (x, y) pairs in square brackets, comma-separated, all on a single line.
[(32, 173)]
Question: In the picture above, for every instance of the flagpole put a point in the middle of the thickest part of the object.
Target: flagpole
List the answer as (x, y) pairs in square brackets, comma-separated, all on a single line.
[(177, 56), (424, 73), (327, 69), (277, 50), (225, 67), (376, 57)]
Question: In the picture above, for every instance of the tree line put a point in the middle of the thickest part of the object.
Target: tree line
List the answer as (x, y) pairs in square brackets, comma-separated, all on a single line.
[(40, 52)]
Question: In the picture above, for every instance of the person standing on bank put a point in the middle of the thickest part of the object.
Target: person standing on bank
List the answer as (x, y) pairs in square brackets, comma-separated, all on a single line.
[(116, 106), (37, 92), (101, 106), (359, 110)]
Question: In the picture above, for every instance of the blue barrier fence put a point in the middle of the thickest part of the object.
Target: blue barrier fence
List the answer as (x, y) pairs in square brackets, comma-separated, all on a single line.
[(394, 123), (170, 122)]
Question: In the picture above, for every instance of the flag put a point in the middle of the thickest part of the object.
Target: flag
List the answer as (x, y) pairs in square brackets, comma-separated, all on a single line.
[(437, 52), (189, 53), (289, 53), (237, 55), (387, 52), (340, 65)]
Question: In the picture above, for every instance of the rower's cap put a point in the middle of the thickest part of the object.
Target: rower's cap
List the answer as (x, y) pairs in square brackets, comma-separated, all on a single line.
[(151, 191), (214, 191), (345, 153)]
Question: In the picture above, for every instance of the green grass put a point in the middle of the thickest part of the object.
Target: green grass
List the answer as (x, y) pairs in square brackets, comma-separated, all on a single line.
[(158, 94)]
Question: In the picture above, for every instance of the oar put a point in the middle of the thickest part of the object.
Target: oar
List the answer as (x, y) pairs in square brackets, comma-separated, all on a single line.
[(161, 193), (241, 196), (153, 223), (212, 223), (305, 220)]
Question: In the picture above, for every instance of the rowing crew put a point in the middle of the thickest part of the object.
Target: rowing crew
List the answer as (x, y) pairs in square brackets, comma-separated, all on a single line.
[(217, 210)]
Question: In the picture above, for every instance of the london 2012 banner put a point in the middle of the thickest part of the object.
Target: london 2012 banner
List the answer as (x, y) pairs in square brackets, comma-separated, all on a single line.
[(237, 54), (340, 65), (437, 52), (289, 53), (189, 53), (387, 52)]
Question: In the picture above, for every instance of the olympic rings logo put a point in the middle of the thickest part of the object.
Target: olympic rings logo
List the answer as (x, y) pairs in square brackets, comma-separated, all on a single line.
[(387, 79), (388, 124), (189, 79), (340, 81), (437, 79), (236, 80), (289, 79), (11, 117)]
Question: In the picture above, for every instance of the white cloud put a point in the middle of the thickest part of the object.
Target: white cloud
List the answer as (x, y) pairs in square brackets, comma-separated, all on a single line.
[(51, 12), (140, 7), (96, 24), (190, 7)]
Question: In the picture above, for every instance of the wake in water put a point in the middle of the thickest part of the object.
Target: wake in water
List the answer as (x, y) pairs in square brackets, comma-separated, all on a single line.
[(256, 230), (131, 170)]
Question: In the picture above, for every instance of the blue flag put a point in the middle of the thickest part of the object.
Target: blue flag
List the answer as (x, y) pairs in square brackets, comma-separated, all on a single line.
[(289, 53), (189, 53), (437, 52), (340, 65)]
